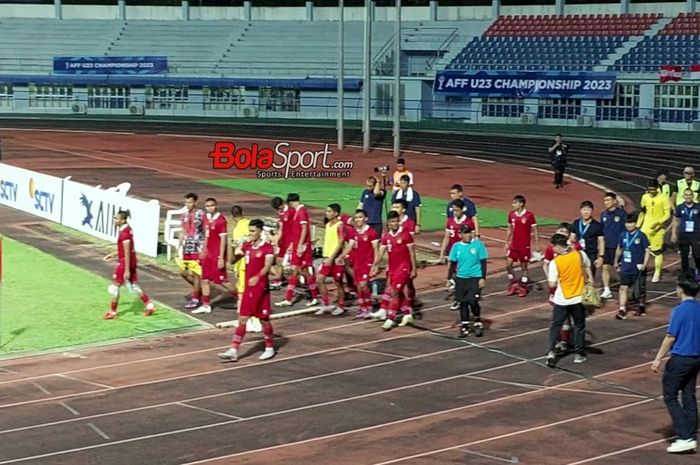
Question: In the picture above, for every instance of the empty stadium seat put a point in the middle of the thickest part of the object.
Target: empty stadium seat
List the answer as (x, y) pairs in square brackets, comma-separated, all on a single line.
[(575, 42), (678, 43)]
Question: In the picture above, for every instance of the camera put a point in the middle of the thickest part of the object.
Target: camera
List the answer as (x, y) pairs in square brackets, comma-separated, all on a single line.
[(381, 169)]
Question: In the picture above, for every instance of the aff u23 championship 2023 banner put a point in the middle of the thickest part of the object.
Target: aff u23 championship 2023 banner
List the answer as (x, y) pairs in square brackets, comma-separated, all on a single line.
[(527, 84), (110, 65)]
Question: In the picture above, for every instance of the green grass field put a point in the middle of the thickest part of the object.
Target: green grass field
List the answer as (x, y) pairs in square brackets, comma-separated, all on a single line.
[(319, 193), (46, 303)]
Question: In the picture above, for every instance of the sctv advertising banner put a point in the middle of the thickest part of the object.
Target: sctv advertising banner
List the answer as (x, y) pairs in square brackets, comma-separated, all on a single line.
[(91, 210), (527, 84), (80, 206), (110, 65), (35, 193)]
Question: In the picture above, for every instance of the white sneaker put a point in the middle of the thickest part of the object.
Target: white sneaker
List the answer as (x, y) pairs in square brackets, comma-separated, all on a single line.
[(454, 306), (656, 278), (313, 303), (337, 311), (607, 293), (253, 325), (682, 445), (267, 354), (284, 303), (379, 314), (324, 309), (406, 319), (388, 324), (202, 309), (230, 355)]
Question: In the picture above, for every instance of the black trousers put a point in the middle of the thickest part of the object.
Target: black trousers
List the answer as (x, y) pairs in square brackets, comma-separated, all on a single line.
[(559, 175), (680, 376), (467, 293), (577, 313), (688, 242)]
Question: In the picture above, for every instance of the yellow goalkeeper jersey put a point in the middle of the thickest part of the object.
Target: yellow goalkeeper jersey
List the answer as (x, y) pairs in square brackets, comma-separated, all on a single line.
[(656, 209)]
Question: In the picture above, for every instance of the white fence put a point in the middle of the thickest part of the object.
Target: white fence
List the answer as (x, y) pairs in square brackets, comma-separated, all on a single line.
[(79, 206)]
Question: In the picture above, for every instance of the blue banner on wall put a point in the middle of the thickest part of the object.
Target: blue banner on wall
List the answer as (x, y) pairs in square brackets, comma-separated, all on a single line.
[(527, 84), (110, 65)]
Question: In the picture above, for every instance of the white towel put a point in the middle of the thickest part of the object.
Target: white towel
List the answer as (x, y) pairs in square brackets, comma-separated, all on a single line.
[(409, 195)]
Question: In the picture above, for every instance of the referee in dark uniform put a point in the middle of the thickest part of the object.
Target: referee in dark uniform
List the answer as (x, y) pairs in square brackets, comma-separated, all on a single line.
[(468, 270)]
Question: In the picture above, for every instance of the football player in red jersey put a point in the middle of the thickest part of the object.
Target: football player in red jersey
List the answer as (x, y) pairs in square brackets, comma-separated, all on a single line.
[(255, 301), (125, 274), (283, 240), (214, 255), (521, 226), (402, 267), (364, 245), (302, 257)]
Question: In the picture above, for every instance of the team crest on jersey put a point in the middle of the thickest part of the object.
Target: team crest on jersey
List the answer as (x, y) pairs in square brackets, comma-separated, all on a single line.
[(258, 255), (617, 219), (524, 220), (473, 251), (637, 241), (695, 211), (398, 241)]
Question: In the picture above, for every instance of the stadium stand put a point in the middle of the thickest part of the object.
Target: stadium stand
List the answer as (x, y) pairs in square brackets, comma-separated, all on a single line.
[(678, 44), (559, 43), (227, 48)]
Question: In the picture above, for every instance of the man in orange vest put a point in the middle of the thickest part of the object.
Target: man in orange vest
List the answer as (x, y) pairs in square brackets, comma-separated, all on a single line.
[(569, 272)]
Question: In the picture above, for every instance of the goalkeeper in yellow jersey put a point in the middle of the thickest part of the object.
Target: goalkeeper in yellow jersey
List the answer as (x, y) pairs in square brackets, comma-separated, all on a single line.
[(655, 211)]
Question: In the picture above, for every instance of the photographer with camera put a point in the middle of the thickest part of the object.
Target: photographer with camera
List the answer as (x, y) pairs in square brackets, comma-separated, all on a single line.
[(372, 199), (400, 172), (558, 153)]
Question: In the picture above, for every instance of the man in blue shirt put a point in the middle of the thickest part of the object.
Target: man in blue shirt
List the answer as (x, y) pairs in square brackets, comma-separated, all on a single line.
[(687, 219), (631, 259), (613, 219), (412, 199), (372, 201), (681, 373), (589, 234), (469, 206), (468, 270)]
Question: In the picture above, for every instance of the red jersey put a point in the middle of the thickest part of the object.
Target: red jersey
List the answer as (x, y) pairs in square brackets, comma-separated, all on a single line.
[(301, 216), (126, 234), (285, 218), (397, 246), (521, 226), (407, 224), (550, 254), (255, 256), (215, 227), (453, 226), (363, 246)]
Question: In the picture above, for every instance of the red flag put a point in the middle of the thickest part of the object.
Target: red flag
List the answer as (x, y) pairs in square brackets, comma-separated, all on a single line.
[(694, 71), (670, 73)]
